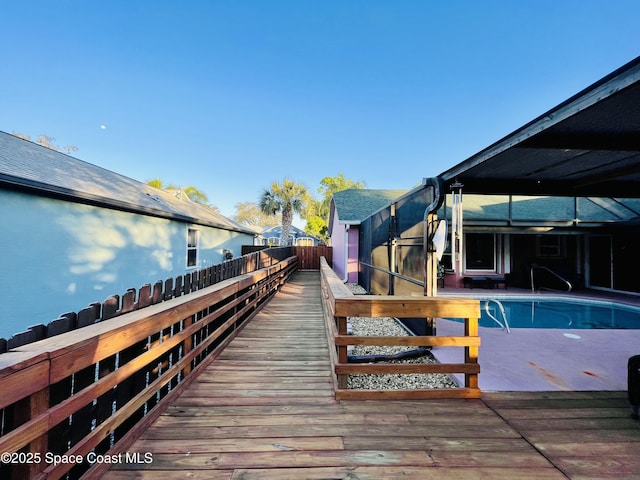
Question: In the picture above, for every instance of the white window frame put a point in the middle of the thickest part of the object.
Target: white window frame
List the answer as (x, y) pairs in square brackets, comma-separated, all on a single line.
[(493, 268), (193, 248), (550, 246)]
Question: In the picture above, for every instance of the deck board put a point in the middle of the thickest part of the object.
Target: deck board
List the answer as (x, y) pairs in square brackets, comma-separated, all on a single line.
[(265, 409)]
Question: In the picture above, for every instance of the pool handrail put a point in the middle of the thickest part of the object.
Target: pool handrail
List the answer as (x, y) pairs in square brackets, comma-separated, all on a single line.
[(505, 325), (563, 280)]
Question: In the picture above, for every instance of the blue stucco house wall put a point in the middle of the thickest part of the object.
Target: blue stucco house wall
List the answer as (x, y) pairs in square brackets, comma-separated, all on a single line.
[(73, 233)]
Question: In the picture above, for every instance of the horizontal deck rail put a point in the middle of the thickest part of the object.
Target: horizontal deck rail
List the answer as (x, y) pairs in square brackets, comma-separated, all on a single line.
[(339, 304), (68, 399)]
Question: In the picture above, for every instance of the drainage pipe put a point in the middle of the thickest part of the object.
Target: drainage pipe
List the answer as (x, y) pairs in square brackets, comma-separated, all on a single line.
[(346, 254), (415, 353), (436, 184)]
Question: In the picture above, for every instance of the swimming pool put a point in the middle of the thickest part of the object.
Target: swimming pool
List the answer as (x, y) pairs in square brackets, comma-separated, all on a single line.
[(559, 313)]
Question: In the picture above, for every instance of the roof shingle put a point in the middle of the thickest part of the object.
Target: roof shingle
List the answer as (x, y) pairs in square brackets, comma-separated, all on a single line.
[(27, 166), (355, 205)]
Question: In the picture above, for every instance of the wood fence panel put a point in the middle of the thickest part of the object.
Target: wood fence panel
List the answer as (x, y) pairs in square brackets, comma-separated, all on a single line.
[(309, 257)]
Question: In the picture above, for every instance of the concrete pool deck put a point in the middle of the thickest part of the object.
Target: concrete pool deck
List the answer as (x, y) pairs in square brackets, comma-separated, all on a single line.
[(530, 359)]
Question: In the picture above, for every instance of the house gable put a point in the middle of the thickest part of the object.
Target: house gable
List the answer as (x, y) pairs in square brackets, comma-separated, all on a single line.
[(354, 205)]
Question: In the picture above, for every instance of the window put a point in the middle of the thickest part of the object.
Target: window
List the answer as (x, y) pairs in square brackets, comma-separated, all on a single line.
[(193, 238), (304, 242), (273, 241), (549, 246), (480, 251)]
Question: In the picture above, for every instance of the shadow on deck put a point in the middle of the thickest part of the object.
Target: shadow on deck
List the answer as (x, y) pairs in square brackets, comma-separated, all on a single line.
[(265, 409)]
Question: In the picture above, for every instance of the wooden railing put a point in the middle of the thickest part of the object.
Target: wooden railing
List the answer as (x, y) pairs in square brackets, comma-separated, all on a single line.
[(68, 400), (340, 303), (149, 294)]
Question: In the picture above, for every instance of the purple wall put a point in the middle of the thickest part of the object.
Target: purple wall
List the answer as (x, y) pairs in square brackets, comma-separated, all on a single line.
[(338, 239)]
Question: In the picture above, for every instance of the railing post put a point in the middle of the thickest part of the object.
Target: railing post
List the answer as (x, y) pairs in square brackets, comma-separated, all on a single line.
[(342, 351), (187, 345), (471, 353), (26, 410)]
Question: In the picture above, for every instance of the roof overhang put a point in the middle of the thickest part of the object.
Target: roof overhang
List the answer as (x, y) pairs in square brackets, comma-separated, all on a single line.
[(87, 198), (588, 145)]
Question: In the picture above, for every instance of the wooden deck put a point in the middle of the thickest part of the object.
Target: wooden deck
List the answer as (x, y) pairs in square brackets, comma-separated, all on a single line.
[(265, 409)]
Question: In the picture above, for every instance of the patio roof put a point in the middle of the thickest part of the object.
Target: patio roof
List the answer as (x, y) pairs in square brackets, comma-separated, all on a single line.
[(588, 145)]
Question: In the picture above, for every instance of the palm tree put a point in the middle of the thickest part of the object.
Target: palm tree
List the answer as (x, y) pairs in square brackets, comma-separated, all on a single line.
[(286, 198)]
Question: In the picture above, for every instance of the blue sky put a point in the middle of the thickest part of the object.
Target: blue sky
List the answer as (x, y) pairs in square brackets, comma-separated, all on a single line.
[(229, 96)]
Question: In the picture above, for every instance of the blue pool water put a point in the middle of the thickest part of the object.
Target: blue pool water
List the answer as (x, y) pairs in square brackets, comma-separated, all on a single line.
[(561, 313)]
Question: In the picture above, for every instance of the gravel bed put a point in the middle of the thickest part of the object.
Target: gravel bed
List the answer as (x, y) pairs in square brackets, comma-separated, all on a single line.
[(390, 327)]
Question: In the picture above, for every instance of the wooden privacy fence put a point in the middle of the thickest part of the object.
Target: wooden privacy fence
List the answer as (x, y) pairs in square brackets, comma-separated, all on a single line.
[(339, 304), (67, 401), (148, 294), (308, 257)]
